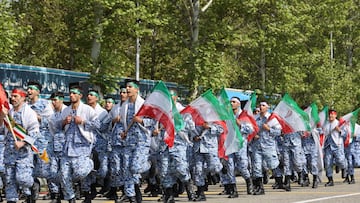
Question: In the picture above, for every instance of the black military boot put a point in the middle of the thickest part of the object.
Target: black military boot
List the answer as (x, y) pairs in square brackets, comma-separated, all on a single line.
[(343, 173), (122, 197), (234, 192), (77, 188), (278, 183), (73, 200), (35, 189), (169, 195), (315, 181), (29, 199), (249, 186), (300, 178), (261, 190), (330, 182), (190, 191), (132, 199), (138, 196), (258, 187), (111, 194), (287, 186), (306, 181), (55, 198), (87, 197), (255, 186), (226, 190), (265, 177), (93, 191), (352, 179), (200, 194)]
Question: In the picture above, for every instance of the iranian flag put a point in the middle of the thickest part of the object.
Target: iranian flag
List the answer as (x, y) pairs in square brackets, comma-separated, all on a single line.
[(17, 130), (3, 99), (160, 106), (357, 130), (290, 116), (350, 120), (246, 117), (231, 140), (323, 117), (313, 114), (206, 108)]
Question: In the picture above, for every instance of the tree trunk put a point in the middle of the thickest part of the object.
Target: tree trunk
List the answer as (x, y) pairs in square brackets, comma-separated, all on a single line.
[(96, 45), (194, 46), (262, 68)]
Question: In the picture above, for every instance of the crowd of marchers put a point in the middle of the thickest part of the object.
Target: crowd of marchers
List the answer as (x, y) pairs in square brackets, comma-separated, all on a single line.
[(84, 149)]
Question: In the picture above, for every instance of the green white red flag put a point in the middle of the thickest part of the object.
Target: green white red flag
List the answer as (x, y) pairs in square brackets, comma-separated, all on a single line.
[(231, 140), (313, 114), (18, 130), (160, 106), (357, 130), (323, 116), (3, 99), (290, 116), (350, 120), (246, 117), (206, 108)]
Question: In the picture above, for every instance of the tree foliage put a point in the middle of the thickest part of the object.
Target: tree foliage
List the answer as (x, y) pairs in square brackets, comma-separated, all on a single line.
[(309, 49)]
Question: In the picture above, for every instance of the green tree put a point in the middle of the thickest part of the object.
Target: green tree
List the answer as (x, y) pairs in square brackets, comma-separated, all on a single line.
[(11, 33)]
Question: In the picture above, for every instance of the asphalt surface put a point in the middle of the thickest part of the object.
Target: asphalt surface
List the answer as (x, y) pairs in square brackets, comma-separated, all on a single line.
[(340, 192)]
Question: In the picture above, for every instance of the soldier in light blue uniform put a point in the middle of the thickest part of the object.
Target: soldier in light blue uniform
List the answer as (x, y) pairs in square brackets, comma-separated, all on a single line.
[(333, 146), (100, 150), (117, 150), (352, 153), (174, 164), (19, 159), (241, 157), (137, 142), (79, 123), (238, 160), (205, 154), (310, 144), (294, 158), (263, 148), (152, 177), (55, 146), (278, 172), (44, 111)]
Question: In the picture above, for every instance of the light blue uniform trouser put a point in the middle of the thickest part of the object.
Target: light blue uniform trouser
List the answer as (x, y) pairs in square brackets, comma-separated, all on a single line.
[(136, 161)]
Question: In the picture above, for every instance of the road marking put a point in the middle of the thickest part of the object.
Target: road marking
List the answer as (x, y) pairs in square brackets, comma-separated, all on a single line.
[(325, 198)]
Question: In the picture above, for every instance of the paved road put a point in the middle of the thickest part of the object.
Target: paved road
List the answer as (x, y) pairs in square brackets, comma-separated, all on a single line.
[(341, 192)]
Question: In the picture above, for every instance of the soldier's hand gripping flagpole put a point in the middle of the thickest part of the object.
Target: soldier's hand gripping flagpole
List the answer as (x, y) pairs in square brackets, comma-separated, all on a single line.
[(123, 135), (10, 127)]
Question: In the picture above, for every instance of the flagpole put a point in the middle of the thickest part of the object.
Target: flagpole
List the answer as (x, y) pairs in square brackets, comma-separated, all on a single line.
[(11, 128), (127, 129)]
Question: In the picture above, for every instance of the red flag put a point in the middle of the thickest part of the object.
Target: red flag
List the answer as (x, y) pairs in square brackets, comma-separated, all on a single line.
[(322, 139), (246, 117), (3, 98), (221, 140)]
